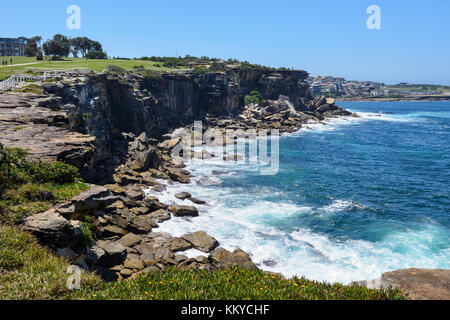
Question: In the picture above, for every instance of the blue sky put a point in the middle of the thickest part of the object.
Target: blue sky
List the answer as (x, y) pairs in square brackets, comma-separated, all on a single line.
[(323, 37)]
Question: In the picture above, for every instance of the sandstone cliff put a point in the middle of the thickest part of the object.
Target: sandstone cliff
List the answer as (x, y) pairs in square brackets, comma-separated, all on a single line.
[(87, 121)]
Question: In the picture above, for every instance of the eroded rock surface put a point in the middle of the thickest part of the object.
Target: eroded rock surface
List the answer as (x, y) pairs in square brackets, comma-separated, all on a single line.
[(418, 284)]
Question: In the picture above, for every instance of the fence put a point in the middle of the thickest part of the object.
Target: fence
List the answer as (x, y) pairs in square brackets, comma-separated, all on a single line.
[(19, 78), (16, 79)]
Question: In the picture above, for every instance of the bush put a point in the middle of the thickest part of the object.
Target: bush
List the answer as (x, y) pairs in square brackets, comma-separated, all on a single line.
[(86, 238), (13, 167), (96, 55), (28, 187), (254, 97), (56, 172)]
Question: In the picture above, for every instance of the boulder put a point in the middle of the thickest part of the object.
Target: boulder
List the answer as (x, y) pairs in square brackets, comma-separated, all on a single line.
[(178, 244), (160, 215), (142, 154), (201, 241), (418, 284), (112, 231), (130, 240), (131, 222), (183, 195), (140, 224), (184, 211), (178, 175), (197, 201), (51, 229), (135, 195), (223, 258), (134, 264), (87, 203), (106, 254), (153, 204), (148, 259), (116, 189)]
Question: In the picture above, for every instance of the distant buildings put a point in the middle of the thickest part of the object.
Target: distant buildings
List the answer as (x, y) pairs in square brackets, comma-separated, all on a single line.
[(12, 46)]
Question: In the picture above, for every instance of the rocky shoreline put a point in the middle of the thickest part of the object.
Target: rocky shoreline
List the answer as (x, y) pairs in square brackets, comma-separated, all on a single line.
[(120, 130)]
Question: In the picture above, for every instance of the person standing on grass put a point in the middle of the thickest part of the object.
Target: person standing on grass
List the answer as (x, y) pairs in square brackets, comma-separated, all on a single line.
[(11, 61), (3, 62)]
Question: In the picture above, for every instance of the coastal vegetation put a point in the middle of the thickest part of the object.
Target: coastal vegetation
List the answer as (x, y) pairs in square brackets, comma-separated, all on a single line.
[(29, 187)]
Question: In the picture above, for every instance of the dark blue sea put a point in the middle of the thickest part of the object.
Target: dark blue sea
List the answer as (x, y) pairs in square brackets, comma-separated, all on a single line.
[(352, 199)]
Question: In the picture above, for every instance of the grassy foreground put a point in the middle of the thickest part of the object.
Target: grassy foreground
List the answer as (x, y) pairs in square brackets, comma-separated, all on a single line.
[(29, 271)]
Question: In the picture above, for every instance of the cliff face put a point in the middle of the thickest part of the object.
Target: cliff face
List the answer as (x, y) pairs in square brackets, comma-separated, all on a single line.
[(107, 105)]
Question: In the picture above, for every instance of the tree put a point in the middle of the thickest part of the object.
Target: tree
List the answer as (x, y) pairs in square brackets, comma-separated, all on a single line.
[(59, 46), (32, 46), (85, 45), (96, 55)]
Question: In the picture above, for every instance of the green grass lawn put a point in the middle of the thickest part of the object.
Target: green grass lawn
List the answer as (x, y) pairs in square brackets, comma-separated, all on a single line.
[(68, 63), (18, 60)]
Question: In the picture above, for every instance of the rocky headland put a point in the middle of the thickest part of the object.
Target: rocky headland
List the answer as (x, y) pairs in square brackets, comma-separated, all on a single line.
[(118, 130)]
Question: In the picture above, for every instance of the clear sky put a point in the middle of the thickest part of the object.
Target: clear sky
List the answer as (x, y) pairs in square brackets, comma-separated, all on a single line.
[(323, 37)]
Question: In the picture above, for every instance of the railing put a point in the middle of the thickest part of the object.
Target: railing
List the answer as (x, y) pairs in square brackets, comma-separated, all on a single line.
[(16, 79)]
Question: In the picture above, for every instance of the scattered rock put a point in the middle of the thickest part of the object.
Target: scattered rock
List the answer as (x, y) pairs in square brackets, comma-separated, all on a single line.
[(130, 240), (178, 175), (51, 229), (183, 195), (87, 203), (126, 273), (179, 244), (106, 254), (111, 231), (184, 211), (134, 264), (160, 215), (197, 201), (419, 284), (201, 241), (223, 258), (181, 257), (159, 188), (153, 204)]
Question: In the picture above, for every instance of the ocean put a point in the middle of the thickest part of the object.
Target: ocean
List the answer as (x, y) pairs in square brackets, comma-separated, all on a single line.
[(352, 199)]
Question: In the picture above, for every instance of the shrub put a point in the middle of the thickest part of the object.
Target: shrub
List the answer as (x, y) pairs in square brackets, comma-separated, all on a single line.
[(56, 172), (96, 55), (86, 238), (254, 97)]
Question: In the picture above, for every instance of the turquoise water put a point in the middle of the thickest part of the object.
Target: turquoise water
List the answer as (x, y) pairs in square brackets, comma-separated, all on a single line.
[(352, 199)]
